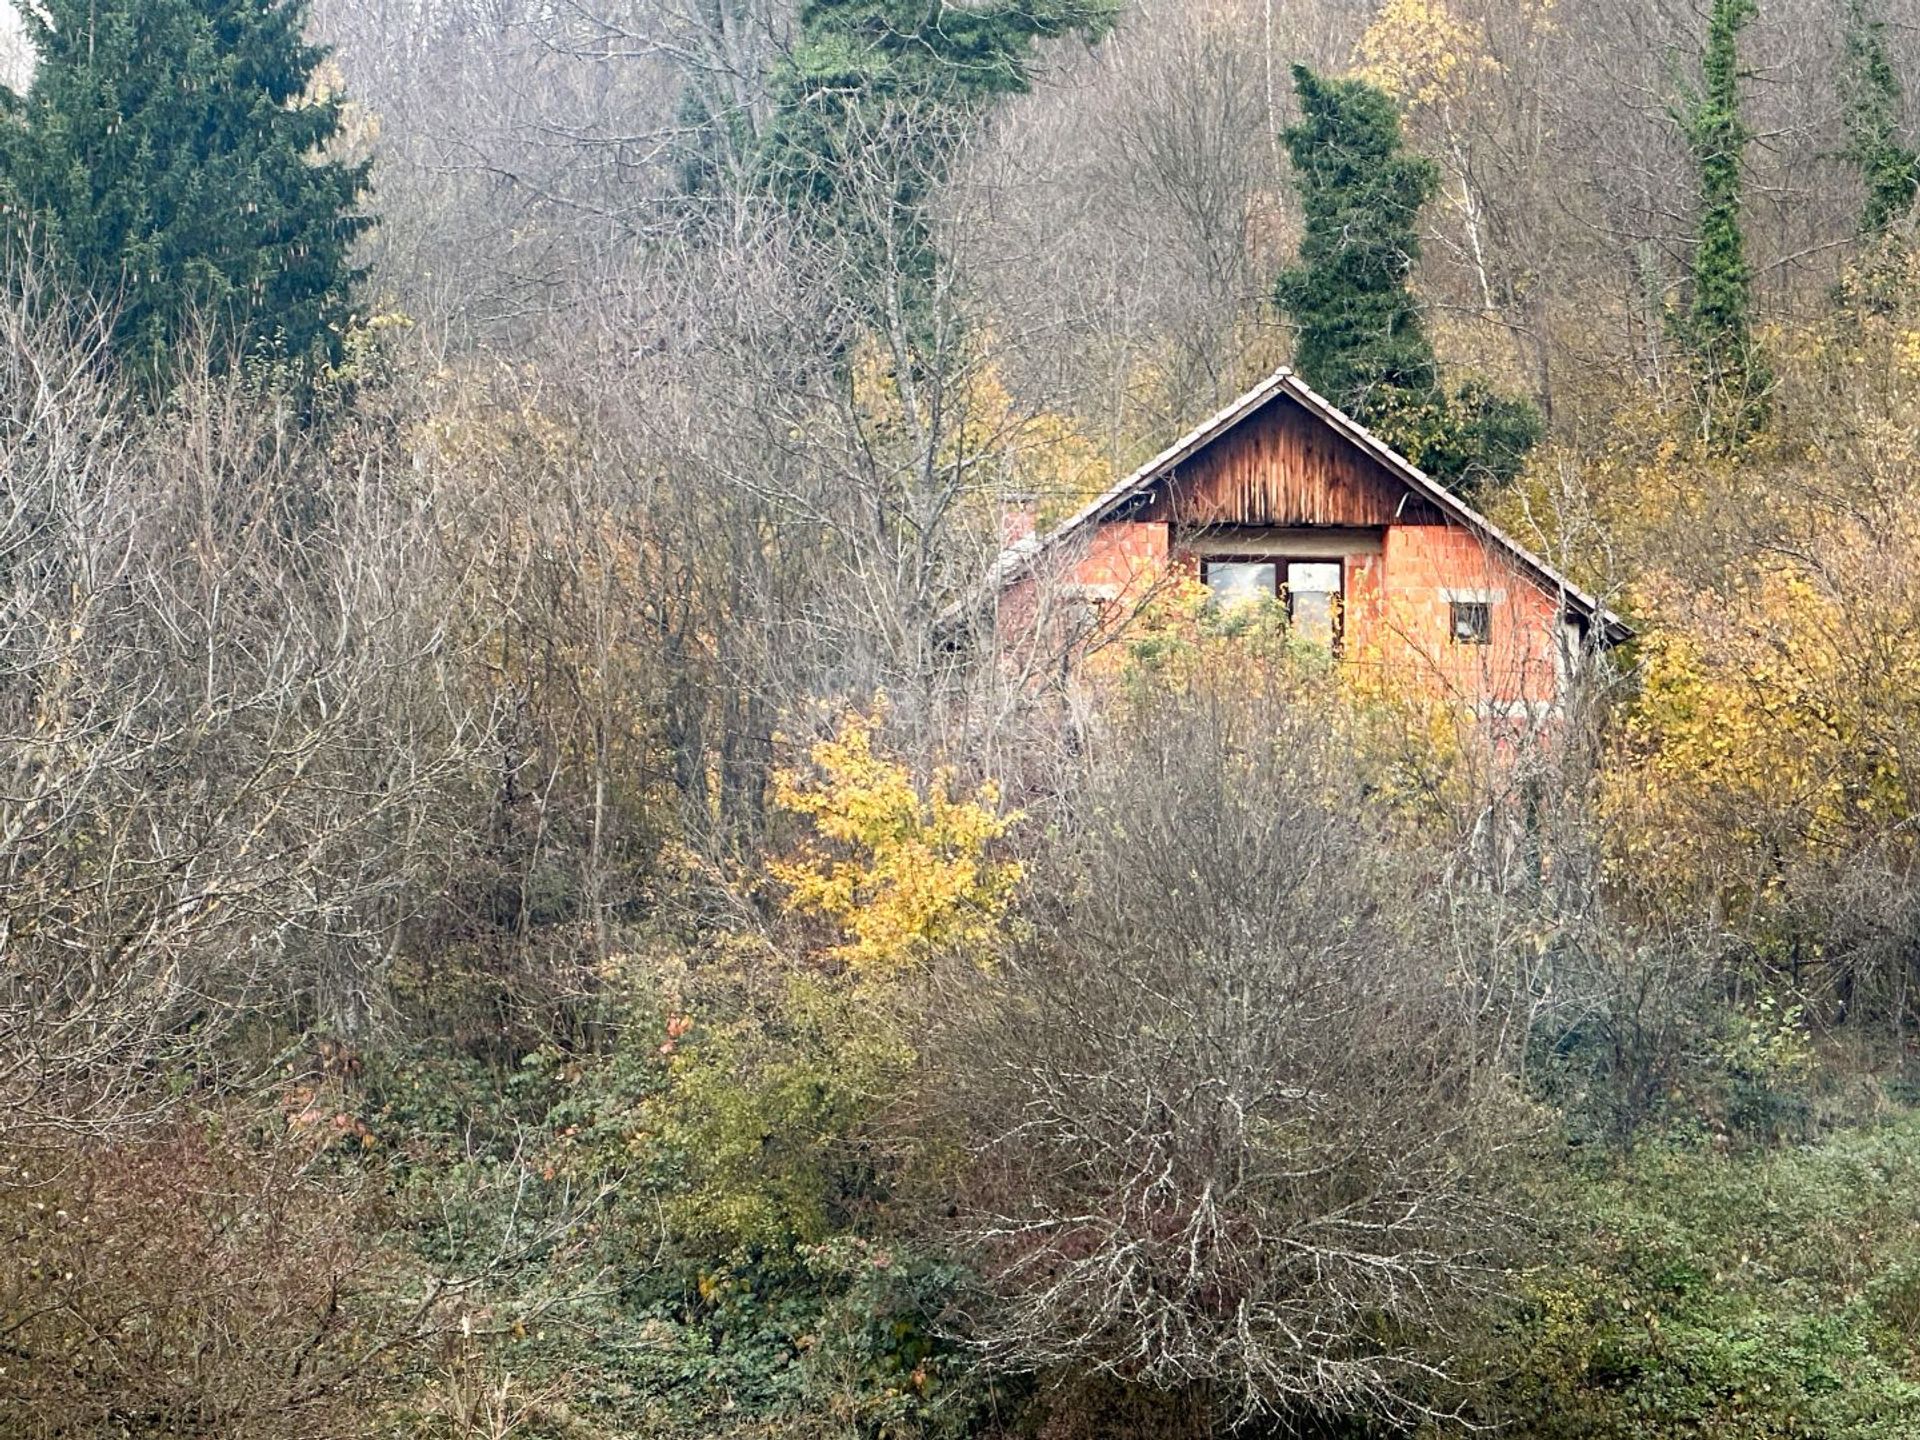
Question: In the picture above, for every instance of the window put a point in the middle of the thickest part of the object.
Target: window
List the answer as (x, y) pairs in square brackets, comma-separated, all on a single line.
[(1082, 609), (1570, 649), (1311, 590), (1234, 582), (1313, 600), (1470, 622)]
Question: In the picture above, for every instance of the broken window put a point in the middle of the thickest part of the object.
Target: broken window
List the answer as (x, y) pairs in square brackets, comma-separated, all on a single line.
[(1470, 622), (1313, 600), (1234, 582)]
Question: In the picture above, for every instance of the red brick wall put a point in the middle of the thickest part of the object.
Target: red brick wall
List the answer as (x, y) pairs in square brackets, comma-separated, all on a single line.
[(1126, 555), (1102, 577), (1365, 602), (1118, 561), (1397, 608), (1412, 625)]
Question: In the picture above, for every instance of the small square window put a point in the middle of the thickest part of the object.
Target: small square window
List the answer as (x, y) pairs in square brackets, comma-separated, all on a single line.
[(1084, 612), (1470, 622)]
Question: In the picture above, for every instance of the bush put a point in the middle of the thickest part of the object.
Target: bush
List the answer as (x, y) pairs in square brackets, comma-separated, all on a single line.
[(208, 1276), (1229, 1115), (1700, 1293)]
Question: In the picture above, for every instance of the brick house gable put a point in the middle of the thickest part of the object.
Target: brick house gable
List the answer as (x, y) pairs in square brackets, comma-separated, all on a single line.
[(1280, 484)]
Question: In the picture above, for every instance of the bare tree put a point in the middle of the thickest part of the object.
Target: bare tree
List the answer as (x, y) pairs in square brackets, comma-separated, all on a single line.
[(1228, 1107), (228, 706)]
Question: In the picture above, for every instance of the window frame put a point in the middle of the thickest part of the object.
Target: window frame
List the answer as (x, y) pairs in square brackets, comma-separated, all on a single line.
[(1279, 568), (1280, 561), (1482, 633)]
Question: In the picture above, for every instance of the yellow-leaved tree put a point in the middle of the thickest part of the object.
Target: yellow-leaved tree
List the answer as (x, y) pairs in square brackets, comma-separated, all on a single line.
[(1421, 53), (1447, 64), (901, 870), (1775, 730), (1767, 775), (760, 1078)]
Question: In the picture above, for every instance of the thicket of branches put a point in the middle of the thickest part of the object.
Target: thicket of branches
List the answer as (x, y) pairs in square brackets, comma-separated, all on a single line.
[(518, 917)]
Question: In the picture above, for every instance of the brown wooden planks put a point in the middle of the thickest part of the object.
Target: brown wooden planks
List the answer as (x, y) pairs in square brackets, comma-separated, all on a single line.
[(1283, 467)]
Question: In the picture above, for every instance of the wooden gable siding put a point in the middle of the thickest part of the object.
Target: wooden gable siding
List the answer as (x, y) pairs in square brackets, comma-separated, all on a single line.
[(1283, 467)]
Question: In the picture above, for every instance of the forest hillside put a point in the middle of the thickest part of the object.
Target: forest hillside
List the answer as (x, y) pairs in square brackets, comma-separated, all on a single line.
[(523, 912)]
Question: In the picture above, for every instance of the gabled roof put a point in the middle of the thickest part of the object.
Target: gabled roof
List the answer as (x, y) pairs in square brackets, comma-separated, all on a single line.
[(1020, 558)]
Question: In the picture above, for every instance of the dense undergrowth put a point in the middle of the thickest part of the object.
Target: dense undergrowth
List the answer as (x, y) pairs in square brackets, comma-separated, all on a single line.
[(521, 914), (1213, 1091), (1696, 1284)]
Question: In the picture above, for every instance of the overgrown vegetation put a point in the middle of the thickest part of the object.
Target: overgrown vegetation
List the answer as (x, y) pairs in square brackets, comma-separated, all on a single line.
[(516, 918)]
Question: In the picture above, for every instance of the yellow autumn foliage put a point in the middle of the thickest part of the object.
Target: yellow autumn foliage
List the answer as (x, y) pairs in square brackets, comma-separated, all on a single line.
[(1421, 53), (1773, 732), (901, 870)]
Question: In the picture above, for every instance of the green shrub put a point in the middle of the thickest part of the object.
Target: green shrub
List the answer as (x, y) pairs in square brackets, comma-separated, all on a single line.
[(1704, 1293)]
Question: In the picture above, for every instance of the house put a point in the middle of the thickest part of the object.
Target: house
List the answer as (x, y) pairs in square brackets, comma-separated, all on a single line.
[(1283, 497)]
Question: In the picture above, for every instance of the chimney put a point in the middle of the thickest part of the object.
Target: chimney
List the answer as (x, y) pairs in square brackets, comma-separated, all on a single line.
[(1017, 519)]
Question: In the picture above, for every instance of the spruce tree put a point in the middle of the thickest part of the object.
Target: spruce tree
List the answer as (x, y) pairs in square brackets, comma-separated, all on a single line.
[(875, 99), (1717, 325), (167, 160), (1361, 341), (1889, 168)]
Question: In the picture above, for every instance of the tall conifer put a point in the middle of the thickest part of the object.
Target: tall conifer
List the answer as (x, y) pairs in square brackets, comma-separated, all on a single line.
[(1717, 324), (167, 158), (876, 97), (1361, 339)]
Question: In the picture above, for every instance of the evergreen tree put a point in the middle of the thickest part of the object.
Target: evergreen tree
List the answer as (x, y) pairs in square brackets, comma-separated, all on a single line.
[(1717, 326), (1872, 95), (1361, 340), (876, 97), (167, 160)]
